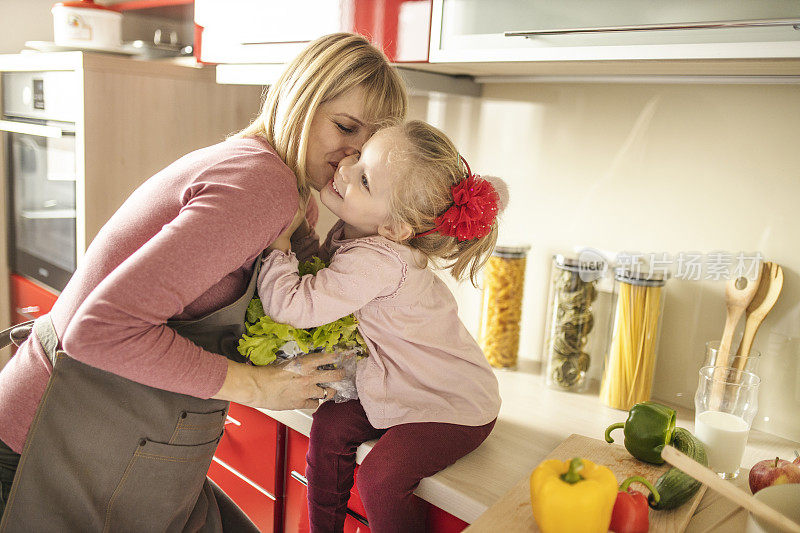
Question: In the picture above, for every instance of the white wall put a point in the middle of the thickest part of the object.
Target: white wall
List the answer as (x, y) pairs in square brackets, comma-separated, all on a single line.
[(24, 20), (651, 168)]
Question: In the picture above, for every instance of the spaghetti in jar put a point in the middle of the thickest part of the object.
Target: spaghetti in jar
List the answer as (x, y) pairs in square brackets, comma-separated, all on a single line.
[(631, 359), (501, 305)]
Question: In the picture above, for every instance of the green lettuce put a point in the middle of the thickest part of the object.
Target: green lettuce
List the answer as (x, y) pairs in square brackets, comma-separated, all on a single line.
[(264, 337)]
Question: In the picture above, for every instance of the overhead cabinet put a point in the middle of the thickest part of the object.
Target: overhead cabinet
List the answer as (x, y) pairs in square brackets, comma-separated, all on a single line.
[(569, 30), (274, 31)]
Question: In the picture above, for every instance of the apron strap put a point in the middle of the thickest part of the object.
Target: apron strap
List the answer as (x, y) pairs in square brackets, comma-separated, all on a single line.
[(45, 331), (15, 334)]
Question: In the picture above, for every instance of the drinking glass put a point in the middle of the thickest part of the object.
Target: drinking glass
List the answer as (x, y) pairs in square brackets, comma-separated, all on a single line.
[(749, 362), (725, 405)]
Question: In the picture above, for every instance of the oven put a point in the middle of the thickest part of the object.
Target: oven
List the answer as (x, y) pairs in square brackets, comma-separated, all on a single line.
[(39, 110)]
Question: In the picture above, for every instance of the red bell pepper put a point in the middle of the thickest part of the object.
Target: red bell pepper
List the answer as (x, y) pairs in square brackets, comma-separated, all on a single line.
[(630, 514)]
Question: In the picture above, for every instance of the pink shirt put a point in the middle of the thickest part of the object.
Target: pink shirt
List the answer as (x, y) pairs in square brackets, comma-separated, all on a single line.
[(181, 246), (423, 364)]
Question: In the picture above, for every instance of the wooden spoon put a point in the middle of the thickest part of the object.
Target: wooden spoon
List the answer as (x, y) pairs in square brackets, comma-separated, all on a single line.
[(739, 292), (769, 288), (707, 477)]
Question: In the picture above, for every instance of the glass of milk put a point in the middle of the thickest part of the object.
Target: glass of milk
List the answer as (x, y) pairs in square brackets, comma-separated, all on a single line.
[(725, 405)]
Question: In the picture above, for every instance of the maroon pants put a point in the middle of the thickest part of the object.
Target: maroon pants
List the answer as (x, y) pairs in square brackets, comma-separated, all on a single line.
[(403, 455)]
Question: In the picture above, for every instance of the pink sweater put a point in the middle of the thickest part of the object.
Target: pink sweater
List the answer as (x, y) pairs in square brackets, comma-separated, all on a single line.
[(181, 246), (423, 366)]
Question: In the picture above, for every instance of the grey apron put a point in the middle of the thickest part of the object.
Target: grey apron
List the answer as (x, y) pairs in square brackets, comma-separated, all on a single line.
[(108, 454)]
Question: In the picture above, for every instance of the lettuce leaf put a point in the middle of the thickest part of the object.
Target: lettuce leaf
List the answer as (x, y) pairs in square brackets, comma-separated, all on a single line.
[(264, 337)]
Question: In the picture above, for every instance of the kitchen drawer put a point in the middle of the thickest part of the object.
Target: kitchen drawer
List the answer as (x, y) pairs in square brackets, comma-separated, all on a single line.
[(440, 521), (249, 445), (29, 300), (256, 503)]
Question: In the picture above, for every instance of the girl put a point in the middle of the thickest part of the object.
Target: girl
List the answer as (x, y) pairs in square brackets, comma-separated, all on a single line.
[(425, 391), (117, 400)]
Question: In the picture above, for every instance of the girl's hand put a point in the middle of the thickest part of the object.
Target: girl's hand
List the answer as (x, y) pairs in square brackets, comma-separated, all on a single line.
[(283, 241), (272, 387)]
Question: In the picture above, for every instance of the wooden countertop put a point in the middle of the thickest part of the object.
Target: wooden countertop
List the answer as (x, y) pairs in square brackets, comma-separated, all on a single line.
[(533, 420)]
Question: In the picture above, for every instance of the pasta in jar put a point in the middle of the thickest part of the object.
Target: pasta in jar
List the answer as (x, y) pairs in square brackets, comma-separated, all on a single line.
[(501, 307), (571, 321), (631, 361)]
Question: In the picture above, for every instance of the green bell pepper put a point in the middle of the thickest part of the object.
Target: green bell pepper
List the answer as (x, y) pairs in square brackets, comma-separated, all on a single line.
[(648, 429)]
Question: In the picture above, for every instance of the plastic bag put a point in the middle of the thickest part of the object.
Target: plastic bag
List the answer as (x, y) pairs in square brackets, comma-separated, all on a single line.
[(346, 359)]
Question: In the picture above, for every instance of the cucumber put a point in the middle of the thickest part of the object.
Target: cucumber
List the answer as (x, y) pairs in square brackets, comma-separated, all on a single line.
[(676, 487)]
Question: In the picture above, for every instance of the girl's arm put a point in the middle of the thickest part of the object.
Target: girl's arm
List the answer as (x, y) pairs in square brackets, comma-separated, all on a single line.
[(354, 278)]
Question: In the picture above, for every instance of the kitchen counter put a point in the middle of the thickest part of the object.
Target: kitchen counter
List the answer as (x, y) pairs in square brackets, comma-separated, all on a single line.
[(533, 420)]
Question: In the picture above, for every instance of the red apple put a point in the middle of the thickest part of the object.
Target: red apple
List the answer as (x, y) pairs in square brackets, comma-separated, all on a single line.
[(773, 472)]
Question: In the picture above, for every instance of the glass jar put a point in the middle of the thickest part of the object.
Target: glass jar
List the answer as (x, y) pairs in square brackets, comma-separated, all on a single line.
[(501, 305), (569, 343), (638, 302)]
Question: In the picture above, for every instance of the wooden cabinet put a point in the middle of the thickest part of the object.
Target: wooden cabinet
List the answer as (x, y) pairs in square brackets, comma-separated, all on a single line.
[(29, 300), (246, 463), (569, 30)]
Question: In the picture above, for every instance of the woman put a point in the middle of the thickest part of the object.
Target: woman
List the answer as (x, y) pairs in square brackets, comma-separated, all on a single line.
[(117, 400)]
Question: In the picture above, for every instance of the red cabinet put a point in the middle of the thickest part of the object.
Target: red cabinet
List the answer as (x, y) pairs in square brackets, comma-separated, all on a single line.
[(296, 510), (29, 300), (246, 464)]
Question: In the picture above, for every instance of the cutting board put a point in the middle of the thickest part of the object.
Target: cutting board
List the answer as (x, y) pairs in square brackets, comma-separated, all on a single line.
[(512, 513)]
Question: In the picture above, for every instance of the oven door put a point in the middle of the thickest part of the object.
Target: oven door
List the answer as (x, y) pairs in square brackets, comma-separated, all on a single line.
[(41, 183)]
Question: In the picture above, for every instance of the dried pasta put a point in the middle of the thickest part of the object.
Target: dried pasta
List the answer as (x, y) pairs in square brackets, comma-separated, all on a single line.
[(572, 321), (501, 310), (628, 376)]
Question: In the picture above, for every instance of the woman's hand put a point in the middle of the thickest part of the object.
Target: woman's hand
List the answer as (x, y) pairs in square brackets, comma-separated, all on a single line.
[(283, 242), (273, 387)]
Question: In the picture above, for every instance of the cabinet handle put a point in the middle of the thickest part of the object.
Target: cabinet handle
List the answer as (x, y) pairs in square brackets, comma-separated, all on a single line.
[(244, 478), (28, 312), (753, 23), (31, 129), (302, 479)]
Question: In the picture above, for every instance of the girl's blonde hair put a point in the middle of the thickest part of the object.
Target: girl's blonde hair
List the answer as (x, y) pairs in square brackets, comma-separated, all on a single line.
[(327, 68), (431, 165)]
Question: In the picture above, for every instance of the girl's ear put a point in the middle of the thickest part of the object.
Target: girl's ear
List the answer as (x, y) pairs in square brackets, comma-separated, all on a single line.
[(395, 231)]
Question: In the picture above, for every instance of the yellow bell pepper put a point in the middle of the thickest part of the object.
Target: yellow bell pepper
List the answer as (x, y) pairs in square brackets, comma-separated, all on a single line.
[(575, 496)]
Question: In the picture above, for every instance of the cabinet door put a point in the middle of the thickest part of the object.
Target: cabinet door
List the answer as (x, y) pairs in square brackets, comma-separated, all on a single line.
[(274, 31), (257, 504), (249, 445), (295, 511), (557, 30), (29, 300)]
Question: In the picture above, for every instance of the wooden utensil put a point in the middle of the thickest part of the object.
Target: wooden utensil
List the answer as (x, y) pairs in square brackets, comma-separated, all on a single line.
[(708, 477), (769, 288), (739, 292)]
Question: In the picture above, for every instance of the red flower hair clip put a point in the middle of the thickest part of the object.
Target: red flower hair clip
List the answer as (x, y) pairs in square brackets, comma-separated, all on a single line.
[(474, 209)]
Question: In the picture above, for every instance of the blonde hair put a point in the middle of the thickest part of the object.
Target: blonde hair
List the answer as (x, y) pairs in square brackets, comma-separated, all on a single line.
[(327, 68), (422, 192)]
